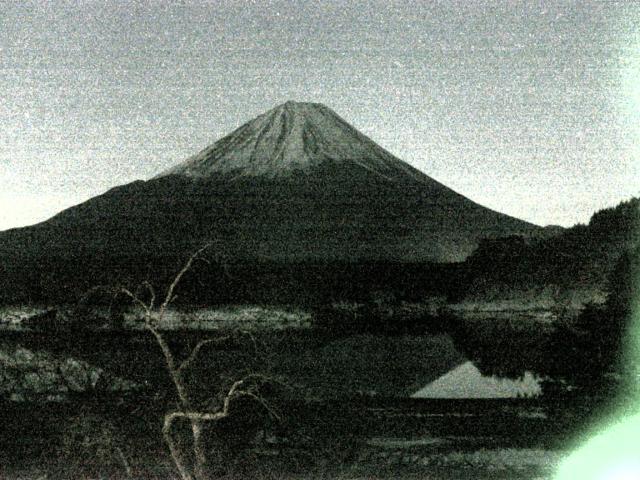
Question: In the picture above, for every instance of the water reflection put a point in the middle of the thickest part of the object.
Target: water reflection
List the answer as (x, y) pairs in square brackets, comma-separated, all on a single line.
[(467, 381)]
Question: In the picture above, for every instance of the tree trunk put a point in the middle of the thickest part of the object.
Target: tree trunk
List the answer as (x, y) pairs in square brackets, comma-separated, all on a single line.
[(176, 454), (200, 468)]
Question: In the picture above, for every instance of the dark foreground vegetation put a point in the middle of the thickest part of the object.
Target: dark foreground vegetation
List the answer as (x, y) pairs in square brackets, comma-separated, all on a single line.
[(121, 437), (118, 438)]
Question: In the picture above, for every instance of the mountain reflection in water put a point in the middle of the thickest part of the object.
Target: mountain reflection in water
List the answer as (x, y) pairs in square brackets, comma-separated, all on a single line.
[(466, 381)]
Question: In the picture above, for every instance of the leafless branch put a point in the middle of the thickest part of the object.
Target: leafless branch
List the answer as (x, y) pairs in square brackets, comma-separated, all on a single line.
[(248, 386), (152, 292), (137, 300), (98, 288), (261, 401), (196, 350), (187, 266)]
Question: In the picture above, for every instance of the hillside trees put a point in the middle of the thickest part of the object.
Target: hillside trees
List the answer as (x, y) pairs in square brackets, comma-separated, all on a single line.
[(598, 343)]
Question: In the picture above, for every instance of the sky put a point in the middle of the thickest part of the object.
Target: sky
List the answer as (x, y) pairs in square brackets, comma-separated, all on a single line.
[(531, 108)]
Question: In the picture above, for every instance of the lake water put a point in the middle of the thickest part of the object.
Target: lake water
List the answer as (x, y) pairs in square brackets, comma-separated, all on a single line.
[(428, 367)]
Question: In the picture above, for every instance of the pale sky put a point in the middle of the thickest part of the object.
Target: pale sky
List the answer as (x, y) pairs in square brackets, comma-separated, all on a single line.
[(530, 108)]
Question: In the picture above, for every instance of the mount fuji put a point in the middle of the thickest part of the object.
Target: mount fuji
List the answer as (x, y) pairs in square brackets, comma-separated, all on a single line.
[(294, 138), (295, 184)]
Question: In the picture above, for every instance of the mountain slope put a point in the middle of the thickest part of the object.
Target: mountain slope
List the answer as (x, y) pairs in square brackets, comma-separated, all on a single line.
[(296, 184)]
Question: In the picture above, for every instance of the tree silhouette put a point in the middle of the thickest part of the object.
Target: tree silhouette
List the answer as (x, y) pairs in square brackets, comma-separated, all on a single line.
[(188, 409)]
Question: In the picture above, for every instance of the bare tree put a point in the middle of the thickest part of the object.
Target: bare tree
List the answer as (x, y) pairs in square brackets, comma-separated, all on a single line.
[(248, 386)]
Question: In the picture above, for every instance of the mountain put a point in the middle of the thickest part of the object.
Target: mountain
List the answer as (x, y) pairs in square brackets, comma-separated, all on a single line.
[(296, 184), (295, 138)]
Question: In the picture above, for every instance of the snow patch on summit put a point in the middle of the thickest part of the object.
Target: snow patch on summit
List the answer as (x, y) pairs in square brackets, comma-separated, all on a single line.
[(294, 137)]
